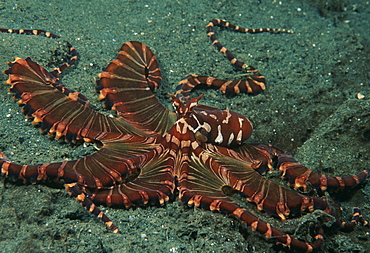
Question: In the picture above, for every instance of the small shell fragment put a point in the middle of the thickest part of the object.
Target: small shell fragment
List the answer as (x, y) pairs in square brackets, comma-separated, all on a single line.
[(359, 96)]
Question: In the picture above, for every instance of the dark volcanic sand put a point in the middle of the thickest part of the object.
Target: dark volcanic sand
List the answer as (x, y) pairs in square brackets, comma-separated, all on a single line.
[(309, 108)]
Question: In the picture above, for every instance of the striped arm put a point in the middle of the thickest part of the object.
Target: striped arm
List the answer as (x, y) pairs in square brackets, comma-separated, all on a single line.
[(80, 194), (126, 171), (152, 183), (270, 197), (236, 63), (253, 84), (127, 86), (30, 32), (117, 160), (298, 175), (283, 201), (59, 110), (72, 51), (205, 183), (260, 158)]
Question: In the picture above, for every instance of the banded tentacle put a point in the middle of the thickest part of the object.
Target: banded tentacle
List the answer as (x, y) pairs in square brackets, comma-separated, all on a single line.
[(299, 176), (110, 165), (82, 197), (151, 182), (269, 157), (148, 180), (274, 199), (58, 110), (253, 84), (266, 157), (236, 63), (72, 51), (127, 171), (206, 182), (261, 158), (127, 86), (58, 70)]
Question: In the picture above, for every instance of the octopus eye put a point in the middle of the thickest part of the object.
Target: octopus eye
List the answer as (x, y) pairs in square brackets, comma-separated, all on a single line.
[(201, 137), (98, 144)]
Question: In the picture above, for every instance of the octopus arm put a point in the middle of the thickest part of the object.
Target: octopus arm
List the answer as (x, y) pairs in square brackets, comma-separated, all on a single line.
[(267, 157), (127, 86), (116, 161), (60, 111), (151, 183), (300, 176), (270, 197), (205, 183)]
